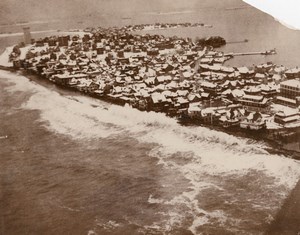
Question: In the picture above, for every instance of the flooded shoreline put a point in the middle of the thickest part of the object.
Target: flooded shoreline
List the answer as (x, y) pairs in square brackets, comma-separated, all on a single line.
[(287, 146)]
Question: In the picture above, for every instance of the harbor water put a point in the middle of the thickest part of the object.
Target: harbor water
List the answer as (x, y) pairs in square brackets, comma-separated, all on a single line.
[(71, 164)]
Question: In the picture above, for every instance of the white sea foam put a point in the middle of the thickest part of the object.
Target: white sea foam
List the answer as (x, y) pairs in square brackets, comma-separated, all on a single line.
[(91, 232), (152, 200), (210, 153), (111, 224), (84, 117)]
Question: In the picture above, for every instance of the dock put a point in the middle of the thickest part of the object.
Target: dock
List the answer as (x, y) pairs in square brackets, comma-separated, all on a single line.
[(240, 41), (269, 52)]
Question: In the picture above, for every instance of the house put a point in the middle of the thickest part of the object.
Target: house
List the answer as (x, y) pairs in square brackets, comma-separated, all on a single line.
[(157, 102), (193, 98), (83, 85), (187, 75), (142, 104), (268, 90), (255, 103), (194, 112), (210, 87), (287, 116), (292, 73), (277, 78), (231, 84), (93, 86), (160, 88), (167, 67), (172, 86), (259, 77), (183, 103), (123, 60), (73, 82), (162, 79), (210, 115), (253, 121), (62, 79), (245, 72), (252, 91), (182, 93), (229, 119), (264, 68), (205, 96)]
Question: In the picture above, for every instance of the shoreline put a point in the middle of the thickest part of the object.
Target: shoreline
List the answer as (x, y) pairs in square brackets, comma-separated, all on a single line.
[(275, 146), (183, 79)]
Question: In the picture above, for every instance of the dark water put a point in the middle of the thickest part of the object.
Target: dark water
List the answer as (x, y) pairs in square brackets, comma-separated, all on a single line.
[(74, 165)]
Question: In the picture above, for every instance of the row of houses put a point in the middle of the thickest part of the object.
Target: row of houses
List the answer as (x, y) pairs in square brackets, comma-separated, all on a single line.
[(164, 74), (237, 116)]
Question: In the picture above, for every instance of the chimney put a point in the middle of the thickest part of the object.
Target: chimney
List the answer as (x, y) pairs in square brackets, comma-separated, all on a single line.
[(27, 35)]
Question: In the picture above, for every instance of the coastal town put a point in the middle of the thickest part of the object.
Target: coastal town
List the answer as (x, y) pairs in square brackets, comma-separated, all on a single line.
[(148, 117), (184, 78)]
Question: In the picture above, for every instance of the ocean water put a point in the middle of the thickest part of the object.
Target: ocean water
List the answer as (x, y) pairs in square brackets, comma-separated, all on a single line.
[(71, 164)]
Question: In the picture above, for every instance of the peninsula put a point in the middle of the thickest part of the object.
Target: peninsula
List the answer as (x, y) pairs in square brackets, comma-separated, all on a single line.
[(181, 77)]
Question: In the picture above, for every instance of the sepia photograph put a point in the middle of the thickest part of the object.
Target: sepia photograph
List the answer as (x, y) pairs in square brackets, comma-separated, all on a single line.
[(149, 117)]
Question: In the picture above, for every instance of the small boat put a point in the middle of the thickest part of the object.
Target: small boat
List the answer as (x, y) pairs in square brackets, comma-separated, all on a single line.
[(270, 52)]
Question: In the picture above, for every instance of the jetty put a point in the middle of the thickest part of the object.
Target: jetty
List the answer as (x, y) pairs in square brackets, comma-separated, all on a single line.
[(239, 41), (268, 52)]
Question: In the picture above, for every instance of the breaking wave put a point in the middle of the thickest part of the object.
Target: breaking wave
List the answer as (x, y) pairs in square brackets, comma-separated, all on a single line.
[(204, 154)]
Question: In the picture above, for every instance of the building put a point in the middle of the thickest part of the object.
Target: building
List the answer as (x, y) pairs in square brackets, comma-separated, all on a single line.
[(253, 121), (290, 88), (286, 116), (292, 73), (256, 103), (289, 93), (230, 118), (27, 35)]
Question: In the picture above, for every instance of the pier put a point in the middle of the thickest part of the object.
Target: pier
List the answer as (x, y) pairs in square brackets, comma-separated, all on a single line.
[(241, 41), (269, 52)]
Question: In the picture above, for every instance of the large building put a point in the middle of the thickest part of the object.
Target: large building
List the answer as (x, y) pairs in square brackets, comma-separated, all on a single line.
[(289, 92), (255, 103)]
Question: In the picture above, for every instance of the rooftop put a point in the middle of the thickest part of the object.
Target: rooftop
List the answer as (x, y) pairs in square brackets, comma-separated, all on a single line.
[(292, 83)]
